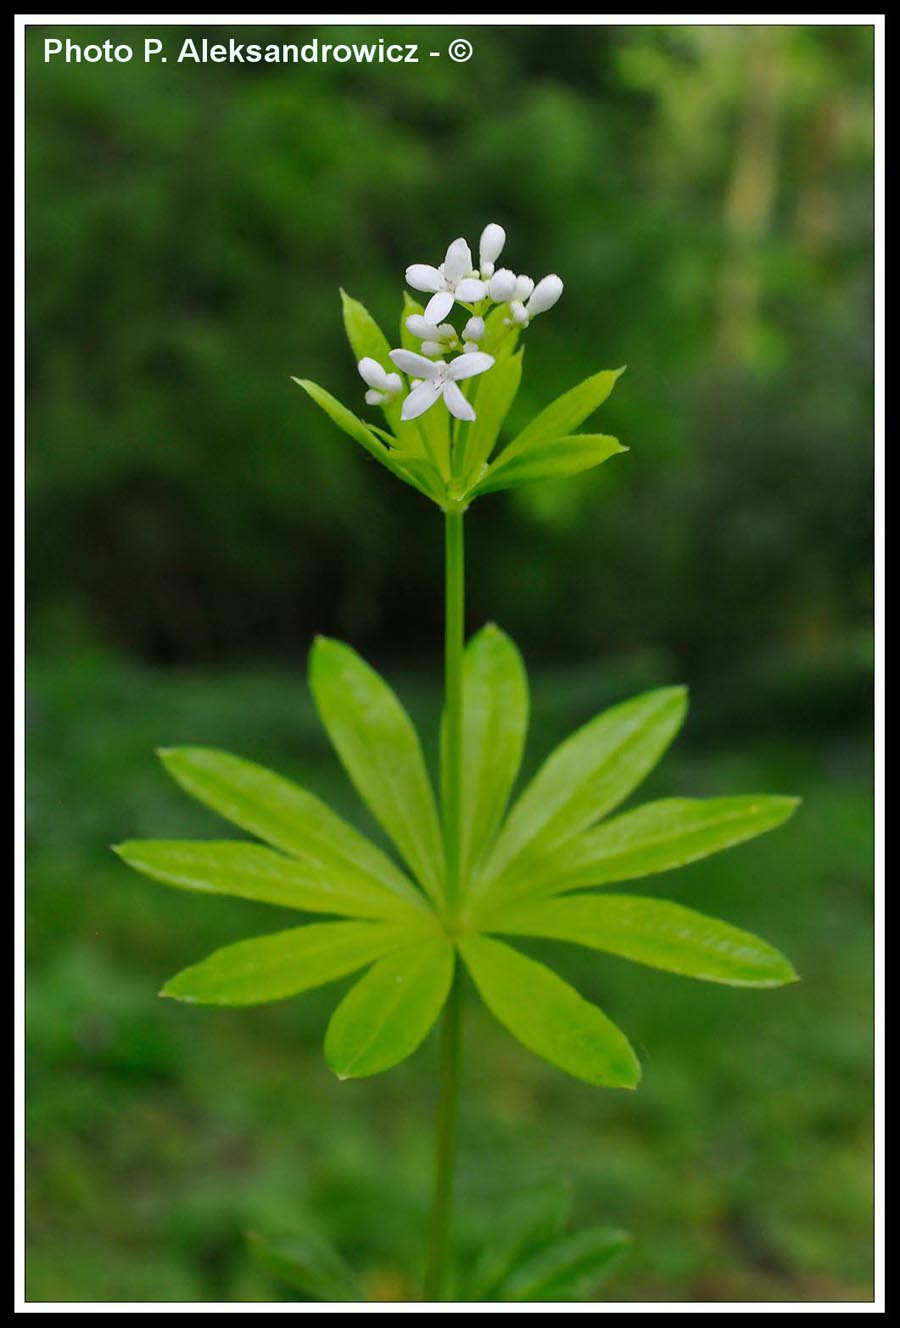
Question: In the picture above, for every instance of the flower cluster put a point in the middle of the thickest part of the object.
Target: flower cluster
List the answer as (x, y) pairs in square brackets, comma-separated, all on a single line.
[(457, 281)]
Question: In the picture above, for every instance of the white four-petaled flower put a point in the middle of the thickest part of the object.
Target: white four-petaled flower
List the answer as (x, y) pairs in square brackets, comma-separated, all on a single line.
[(455, 279), (439, 380)]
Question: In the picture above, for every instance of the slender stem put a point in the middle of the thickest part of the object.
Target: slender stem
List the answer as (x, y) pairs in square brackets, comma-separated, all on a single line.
[(445, 1144), (451, 1027), (453, 704)]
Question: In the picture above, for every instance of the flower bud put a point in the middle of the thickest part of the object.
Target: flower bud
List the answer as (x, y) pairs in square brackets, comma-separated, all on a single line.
[(503, 285), (493, 238), (545, 295), (474, 329)]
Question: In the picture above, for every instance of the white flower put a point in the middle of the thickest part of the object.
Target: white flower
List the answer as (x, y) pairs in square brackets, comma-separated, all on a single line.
[(453, 280), (474, 329), (439, 380), (544, 295), (493, 238), (524, 287), (382, 385)]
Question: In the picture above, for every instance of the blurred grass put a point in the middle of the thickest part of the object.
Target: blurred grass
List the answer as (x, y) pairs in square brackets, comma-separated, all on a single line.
[(157, 1133)]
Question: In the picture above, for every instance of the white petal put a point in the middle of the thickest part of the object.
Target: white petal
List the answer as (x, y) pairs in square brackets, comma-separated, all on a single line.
[(466, 366), (408, 362), (470, 290), (456, 402), (439, 306), (519, 313), (420, 399), (524, 287), (433, 348), (493, 238), (503, 285), (474, 329), (458, 261), (420, 327), (446, 332), (393, 383), (422, 277), (371, 372), (374, 398), (545, 294)]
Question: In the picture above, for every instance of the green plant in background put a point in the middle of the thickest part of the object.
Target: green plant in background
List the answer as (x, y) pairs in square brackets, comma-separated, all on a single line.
[(472, 870)]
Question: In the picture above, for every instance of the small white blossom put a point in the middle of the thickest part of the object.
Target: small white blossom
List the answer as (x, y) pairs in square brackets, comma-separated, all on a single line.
[(439, 379), (493, 238), (474, 329), (524, 287), (519, 313), (437, 339), (453, 280), (382, 385)]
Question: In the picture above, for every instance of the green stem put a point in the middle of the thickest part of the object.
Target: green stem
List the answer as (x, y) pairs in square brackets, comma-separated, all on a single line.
[(445, 1144), (453, 705), (451, 1026)]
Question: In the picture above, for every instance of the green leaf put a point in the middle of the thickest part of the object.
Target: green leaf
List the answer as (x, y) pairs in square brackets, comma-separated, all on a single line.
[(303, 1260), (651, 839), (362, 434), (590, 773), (268, 968), (551, 459), (492, 398), (524, 1222), (274, 809), (380, 750), (565, 413), (367, 339), (654, 932), (548, 1016), (500, 335), (568, 1268), (495, 721), (390, 1011), (228, 867)]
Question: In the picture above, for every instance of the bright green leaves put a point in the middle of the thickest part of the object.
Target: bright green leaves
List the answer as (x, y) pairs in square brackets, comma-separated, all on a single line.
[(548, 1016), (227, 867), (495, 721), (290, 819), (516, 877), (651, 839), (587, 776), (390, 1011), (566, 413), (268, 968), (651, 931), (553, 459), (380, 751), (493, 395)]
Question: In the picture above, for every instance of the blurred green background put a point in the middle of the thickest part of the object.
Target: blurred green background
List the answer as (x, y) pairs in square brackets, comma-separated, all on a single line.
[(706, 194)]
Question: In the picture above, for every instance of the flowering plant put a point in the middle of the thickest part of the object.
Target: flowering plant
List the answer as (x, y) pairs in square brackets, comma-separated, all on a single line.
[(467, 869)]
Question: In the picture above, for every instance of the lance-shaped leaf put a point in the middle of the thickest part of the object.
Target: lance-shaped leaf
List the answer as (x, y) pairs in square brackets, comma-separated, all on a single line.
[(564, 414), (518, 1227), (268, 968), (549, 459), (548, 1016), (380, 750), (587, 776), (229, 867), (362, 434), (390, 1011), (492, 397), (500, 335), (651, 931), (306, 1262), (651, 839), (568, 1268), (495, 721), (276, 810)]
